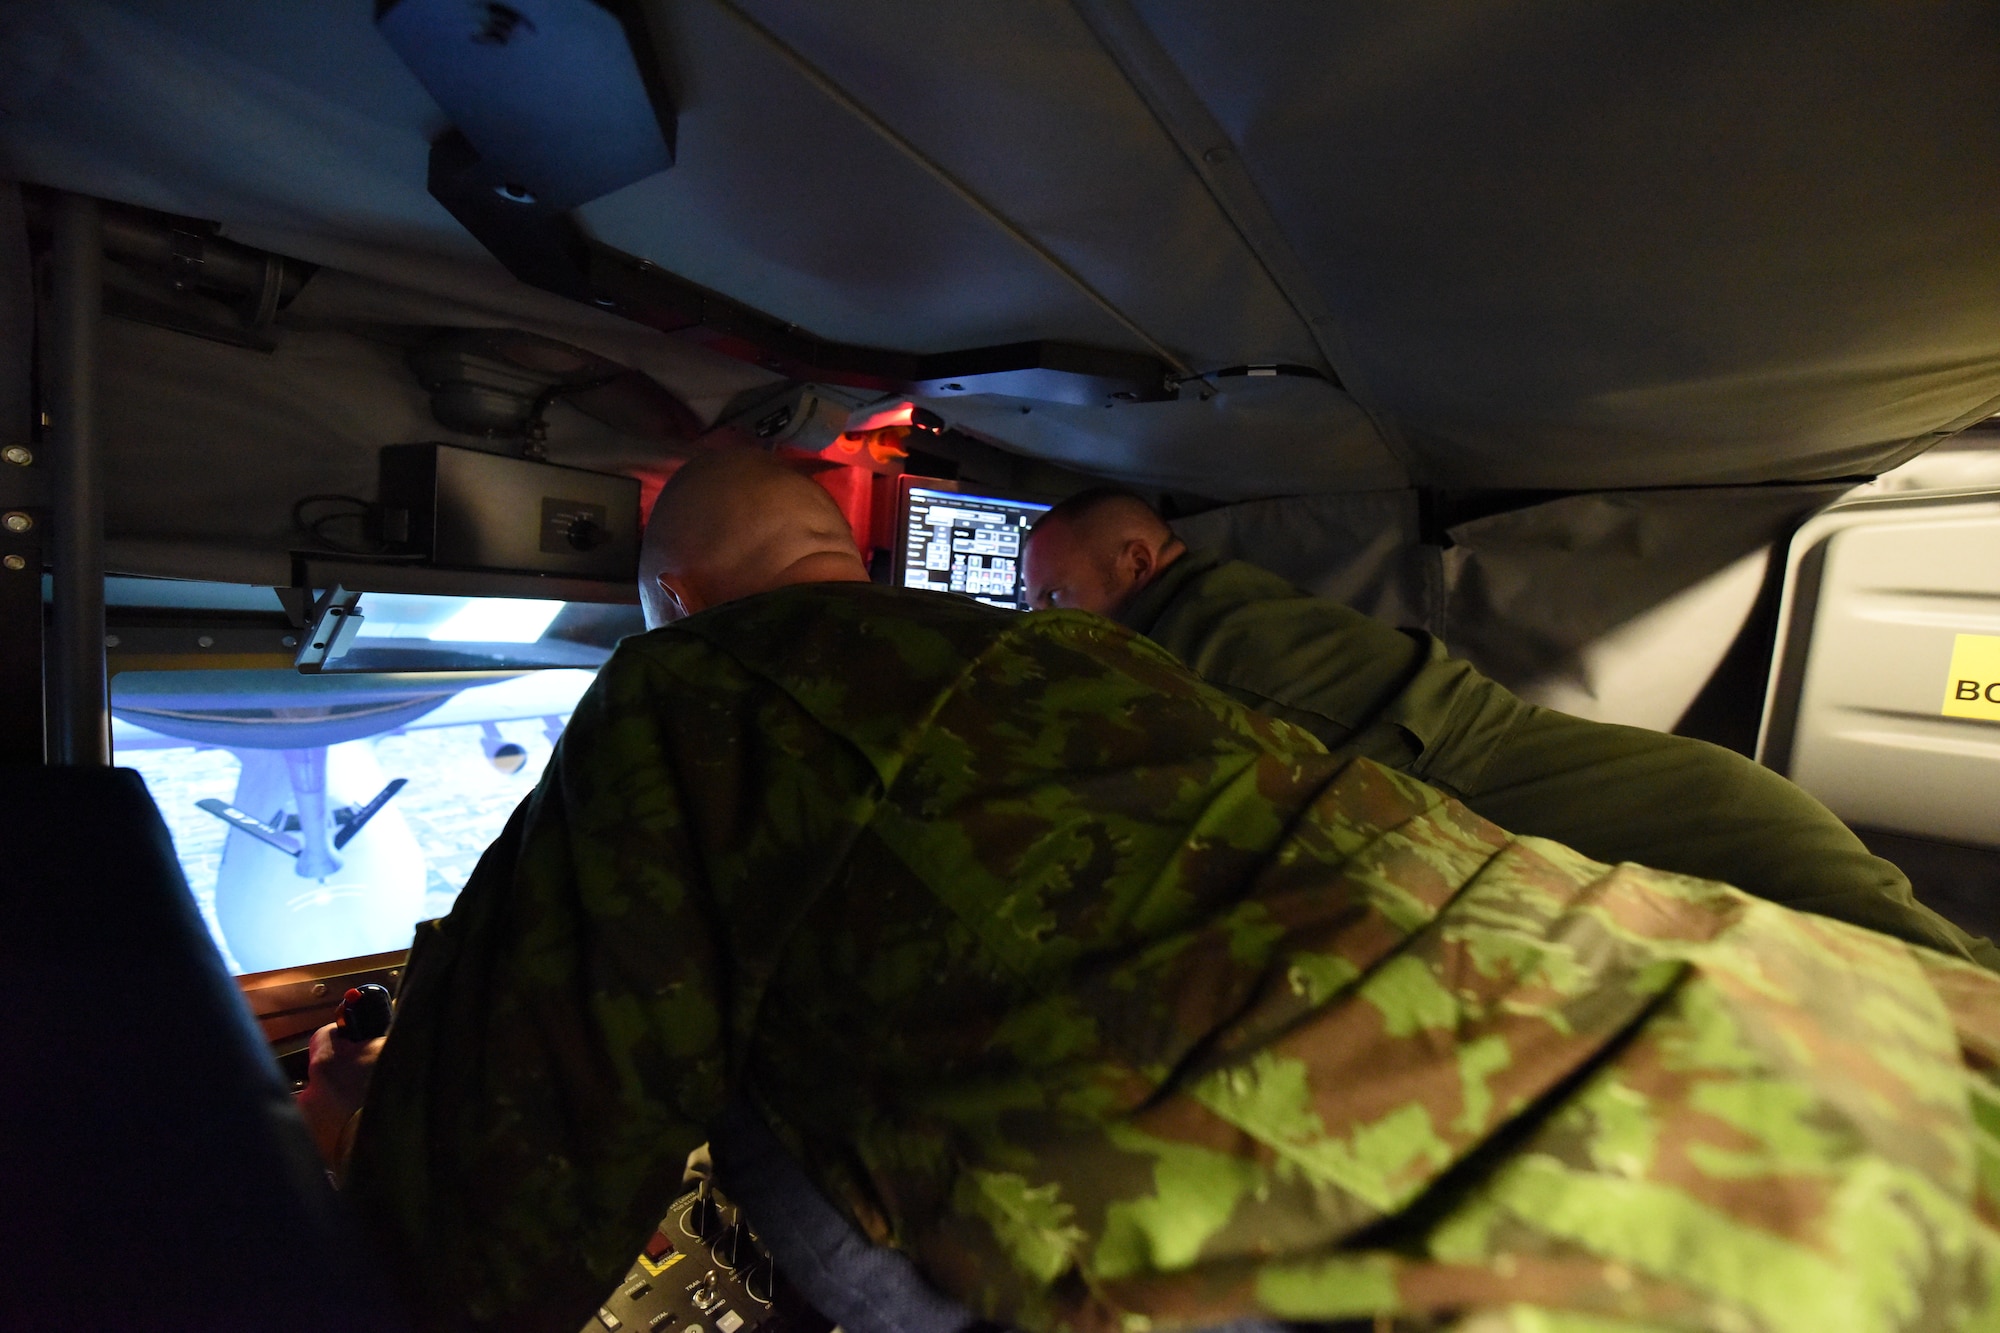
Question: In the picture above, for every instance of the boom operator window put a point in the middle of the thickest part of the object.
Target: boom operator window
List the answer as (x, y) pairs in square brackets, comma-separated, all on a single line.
[(321, 817), (965, 542)]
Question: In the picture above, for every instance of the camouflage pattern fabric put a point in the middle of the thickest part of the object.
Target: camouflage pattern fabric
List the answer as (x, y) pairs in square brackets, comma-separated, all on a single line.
[(1120, 1007)]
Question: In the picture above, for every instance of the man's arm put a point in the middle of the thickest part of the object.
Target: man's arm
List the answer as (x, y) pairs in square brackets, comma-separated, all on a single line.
[(1315, 663), (1625, 794), (559, 1040), (1614, 793)]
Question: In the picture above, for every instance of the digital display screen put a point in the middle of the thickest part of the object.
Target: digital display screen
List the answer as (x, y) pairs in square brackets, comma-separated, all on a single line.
[(960, 542)]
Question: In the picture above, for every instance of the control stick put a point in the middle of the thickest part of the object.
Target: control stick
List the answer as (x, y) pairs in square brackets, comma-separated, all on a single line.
[(364, 1013), (728, 1248), (703, 1218)]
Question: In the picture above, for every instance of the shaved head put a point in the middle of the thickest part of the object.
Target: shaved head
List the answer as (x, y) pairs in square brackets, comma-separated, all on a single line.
[(730, 525), (1095, 551)]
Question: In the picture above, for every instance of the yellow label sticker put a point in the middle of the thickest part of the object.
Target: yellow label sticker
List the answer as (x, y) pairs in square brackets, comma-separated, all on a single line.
[(663, 1265), (1973, 687)]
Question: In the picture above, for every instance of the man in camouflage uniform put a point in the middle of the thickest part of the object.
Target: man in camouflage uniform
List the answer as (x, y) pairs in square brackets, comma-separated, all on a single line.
[(1615, 793), (1118, 1006)]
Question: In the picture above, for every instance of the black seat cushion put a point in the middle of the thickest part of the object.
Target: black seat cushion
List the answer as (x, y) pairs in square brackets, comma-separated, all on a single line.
[(153, 1174)]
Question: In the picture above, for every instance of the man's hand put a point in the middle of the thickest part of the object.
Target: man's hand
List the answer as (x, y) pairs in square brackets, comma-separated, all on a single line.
[(337, 1075)]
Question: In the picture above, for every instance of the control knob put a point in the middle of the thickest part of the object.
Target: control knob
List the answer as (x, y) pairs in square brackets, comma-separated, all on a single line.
[(703, 1218)]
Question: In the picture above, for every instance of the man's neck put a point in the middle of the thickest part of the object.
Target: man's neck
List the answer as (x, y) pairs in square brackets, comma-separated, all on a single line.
[(828, 566)]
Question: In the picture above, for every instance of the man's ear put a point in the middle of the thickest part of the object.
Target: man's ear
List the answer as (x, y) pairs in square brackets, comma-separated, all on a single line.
[(1140, 560), (681, 598)]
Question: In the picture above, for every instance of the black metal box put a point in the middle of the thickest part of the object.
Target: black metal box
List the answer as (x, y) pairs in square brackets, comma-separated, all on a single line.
[(467, 509)]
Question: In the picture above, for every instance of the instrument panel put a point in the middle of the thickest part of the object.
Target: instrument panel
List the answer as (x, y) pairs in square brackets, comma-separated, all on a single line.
[(703, 1270)]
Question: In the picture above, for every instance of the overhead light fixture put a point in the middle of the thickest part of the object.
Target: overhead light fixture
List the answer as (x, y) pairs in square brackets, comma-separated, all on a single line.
[(806, 417), (904, 413)]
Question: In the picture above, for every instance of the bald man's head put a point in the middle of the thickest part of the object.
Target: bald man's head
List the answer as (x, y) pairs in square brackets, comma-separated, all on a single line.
[(730, 525), (1095, 551)]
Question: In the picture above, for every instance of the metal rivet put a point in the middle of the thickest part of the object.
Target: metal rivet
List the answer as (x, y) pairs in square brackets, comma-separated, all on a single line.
[(14, 562), (18, 455), (111, 641), (319, 988), (17, 521), (290, 641), (205, 641)]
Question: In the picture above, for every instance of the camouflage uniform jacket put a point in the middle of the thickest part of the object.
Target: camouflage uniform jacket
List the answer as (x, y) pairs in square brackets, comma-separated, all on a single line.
[(1120, 1006), (1612, 792)]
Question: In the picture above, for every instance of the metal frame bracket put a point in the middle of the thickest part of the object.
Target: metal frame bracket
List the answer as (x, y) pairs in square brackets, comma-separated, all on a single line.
[(335, 622)]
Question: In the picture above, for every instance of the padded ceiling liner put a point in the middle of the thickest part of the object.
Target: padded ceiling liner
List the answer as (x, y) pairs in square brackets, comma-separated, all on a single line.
[(1736, 241), (1554, 245), (843, 233)]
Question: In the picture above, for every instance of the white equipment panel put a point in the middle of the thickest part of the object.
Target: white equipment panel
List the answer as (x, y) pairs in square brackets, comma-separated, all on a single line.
[(1885, 684)]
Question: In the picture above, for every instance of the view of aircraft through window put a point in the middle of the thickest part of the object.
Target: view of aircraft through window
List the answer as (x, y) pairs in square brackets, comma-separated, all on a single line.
[(316, 821), (320, 816)]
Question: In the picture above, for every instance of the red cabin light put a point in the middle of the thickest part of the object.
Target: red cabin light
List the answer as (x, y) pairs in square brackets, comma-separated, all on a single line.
[(897, 414)]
